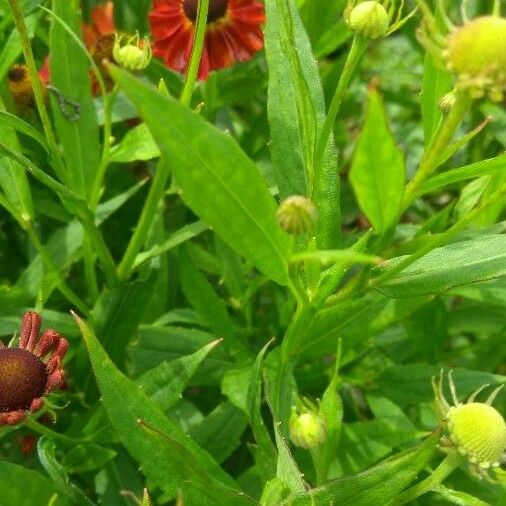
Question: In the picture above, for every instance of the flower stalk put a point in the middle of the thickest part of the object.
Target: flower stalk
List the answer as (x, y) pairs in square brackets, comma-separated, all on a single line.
[(196, 56)]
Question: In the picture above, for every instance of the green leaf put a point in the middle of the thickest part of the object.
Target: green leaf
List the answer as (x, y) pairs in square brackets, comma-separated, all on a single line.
[(165, 383), (47, 455), (137, 144), (13, 180), (11, 48), (19, 485), (377, 485), (118, 313), (412, 383), (296, 109), (443, 268), (202, 296), (63, 245), (482, 168), (377, 173), (221, 430), (69, 75), (170, 459), (87, 457), (218, 181), (10, 121)]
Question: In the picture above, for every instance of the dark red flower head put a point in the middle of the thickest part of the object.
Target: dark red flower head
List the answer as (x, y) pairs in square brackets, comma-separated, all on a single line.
[(24, 375), (233, 32)]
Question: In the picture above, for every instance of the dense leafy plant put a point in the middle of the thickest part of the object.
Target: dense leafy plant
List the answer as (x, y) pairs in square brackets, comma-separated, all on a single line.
[(260, 274)]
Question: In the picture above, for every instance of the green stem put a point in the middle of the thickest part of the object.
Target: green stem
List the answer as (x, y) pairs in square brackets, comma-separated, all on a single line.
[(17, 14), (358, 47), (449, 464), (441, 139), (45, 431), (137, 241), (198, 45), (89, 270), (109, 100)]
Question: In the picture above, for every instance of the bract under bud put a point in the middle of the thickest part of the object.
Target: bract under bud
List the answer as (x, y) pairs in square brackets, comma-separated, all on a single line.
[(369, 19), (297, 215), (307, 430), (132, 53)]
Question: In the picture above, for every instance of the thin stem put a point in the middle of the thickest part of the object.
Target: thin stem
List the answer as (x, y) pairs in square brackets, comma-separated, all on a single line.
[(441, 139), (17, 14), (137, 241), (90, 273), (449, 464), (358, 47), (45, 431), (198, 45), (109, 100)]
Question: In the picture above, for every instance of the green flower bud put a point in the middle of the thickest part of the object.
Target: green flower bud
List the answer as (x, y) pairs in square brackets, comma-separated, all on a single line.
[(307, 430), (369, 19), (131, 52), (479, 433), (476, 53), (297, 215), (475, 430)]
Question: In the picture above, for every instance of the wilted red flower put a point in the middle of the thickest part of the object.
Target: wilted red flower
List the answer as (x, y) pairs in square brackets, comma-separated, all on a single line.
[(233, 32), (24, 376)]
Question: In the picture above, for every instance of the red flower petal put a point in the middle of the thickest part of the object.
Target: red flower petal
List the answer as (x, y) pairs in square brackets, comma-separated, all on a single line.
[(235, 37)]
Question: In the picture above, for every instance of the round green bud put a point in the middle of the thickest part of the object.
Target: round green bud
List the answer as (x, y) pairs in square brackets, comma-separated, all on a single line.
[(479, 433), (307, 430), (297, 215), (132, 53), (369, 19), (476, 53)]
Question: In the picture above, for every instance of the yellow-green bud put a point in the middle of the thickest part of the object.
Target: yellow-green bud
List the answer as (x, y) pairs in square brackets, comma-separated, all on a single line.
[(476, 52), (479, 433), (297, 215), (369, 19), (307, 430), (131, 52)]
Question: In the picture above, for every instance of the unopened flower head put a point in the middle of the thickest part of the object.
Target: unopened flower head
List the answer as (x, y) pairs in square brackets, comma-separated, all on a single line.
[(307, 428), (476, 430), (475, 51), (297, 215), (374, 19), (131, 52)]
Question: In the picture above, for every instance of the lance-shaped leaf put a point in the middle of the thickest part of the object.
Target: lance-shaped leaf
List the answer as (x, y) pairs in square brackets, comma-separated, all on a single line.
[(218, 181)]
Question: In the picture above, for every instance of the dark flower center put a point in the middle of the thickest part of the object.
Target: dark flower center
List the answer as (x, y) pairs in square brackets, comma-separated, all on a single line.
[(23, 378), (217, 9), (16, 73)]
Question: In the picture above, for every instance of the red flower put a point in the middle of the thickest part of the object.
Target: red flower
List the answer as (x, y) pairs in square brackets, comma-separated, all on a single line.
[(24, 376), (233, 32)]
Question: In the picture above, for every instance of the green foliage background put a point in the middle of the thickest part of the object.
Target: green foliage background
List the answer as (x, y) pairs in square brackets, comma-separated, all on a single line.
[(175, 383)]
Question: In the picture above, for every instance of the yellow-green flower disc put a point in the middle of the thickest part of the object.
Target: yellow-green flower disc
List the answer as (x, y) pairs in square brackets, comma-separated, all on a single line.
[(479, 432), (478, 49)]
